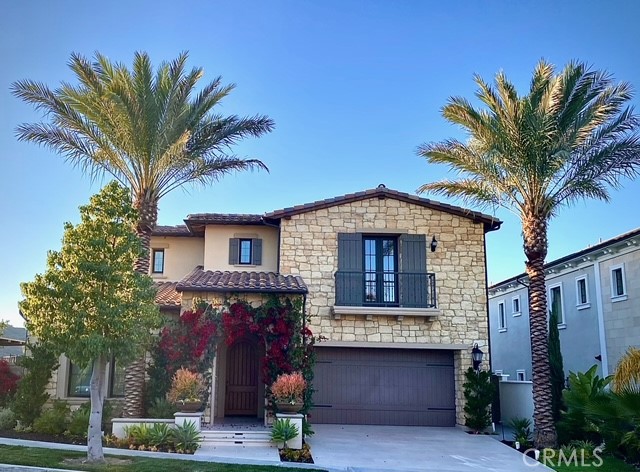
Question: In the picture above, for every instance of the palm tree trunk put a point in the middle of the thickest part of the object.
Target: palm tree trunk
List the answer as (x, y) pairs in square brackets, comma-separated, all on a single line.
[(134, 376), (534, 229)]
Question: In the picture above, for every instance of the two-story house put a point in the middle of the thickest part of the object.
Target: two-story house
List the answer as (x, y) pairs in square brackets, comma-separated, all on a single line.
[(395, 284), (596, 294)]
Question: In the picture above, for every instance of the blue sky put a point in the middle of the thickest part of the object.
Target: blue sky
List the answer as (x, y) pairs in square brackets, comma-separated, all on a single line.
[(353, 86)]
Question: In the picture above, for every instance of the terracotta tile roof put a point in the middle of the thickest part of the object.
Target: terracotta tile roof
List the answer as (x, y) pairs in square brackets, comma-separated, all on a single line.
[(167, 296), (224, 219), (490, 223), (178, 230), (200, 280)]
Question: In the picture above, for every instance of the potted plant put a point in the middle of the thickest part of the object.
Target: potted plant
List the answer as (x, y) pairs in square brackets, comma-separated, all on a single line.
[(186, 390), (288, 392)]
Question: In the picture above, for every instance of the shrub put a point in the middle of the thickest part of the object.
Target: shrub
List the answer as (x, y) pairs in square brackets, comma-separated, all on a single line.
[(79, 423), (7, 419), (138, 435), (186, 438), (8, 382), (289, 388), (186, 386), (161, 408), (160, 435), (54, 420), (521, 431), (30, 395), (478, 394), (283, 431)]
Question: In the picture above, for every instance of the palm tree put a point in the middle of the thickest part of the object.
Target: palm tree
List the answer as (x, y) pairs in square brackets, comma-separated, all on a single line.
[(151, 131), (570, 138)]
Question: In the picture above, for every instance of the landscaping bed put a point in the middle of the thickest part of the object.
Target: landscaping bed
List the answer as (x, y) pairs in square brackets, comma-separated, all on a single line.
[(300, 455), (33, 436)]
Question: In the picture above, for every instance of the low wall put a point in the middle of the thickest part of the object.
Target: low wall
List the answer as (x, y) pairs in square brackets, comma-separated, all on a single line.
[(119, 424), (516, 400)]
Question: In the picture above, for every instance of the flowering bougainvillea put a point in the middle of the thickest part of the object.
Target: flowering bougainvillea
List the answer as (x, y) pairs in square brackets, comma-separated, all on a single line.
[(8, 382)]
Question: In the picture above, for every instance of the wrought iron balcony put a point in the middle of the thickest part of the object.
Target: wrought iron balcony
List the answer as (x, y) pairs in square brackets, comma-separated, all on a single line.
[(386, 289)]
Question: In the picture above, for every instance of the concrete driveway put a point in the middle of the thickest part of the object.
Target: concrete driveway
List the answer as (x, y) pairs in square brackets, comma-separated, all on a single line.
[(409, 449)]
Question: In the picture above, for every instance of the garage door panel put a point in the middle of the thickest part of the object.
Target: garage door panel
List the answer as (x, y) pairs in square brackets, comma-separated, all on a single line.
[(384, 386)]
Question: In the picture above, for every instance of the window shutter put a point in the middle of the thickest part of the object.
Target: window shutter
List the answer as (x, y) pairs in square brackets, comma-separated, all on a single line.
[(349, 278), (234, 248), (413, 270), (256, 251)]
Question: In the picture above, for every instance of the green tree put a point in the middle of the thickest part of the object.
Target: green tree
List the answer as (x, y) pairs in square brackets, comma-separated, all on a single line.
[(571, 137), (151, 131), (556, 366), (90, 303), (478, 395)]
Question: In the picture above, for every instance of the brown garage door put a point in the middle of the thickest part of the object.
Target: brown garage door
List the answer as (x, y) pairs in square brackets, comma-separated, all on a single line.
[(384, 386)]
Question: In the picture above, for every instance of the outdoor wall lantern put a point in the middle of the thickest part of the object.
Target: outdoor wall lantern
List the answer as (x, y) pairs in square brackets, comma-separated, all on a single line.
[(476, 355), (434, 243)]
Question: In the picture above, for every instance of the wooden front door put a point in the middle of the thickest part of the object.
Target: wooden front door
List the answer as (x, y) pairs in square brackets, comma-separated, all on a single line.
[(242, 379)]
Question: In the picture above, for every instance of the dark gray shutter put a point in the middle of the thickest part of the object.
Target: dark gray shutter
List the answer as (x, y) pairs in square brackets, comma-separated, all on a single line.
[(349, 278), (256, 251), (234, 248), (413, 270)]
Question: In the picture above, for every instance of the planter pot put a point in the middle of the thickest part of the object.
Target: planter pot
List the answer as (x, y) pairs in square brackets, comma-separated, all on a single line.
[(286, 407), (189, 407)]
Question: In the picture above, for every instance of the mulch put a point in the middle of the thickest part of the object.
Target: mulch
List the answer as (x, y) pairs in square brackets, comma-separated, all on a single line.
[(32, 436)]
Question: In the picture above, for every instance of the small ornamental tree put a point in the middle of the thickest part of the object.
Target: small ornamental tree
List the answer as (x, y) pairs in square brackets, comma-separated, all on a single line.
[(90, 303), (8, 382), (478, 395), (556, 365)]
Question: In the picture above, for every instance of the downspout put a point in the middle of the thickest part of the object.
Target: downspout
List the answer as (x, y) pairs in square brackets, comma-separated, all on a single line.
[(304, 319), (486, 288), (603, 338)]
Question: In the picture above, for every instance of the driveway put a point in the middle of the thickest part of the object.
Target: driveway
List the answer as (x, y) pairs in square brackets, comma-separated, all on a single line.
[(409, 449)]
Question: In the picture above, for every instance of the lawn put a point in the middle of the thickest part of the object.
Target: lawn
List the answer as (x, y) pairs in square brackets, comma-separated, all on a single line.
[(609, 464), (55, 458)]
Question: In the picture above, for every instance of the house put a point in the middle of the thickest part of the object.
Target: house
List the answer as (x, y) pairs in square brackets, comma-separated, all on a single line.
[(596, 293), (12, 342), (395, 285)]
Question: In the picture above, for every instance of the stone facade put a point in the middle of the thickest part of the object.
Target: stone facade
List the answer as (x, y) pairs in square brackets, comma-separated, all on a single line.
[(309, 248)]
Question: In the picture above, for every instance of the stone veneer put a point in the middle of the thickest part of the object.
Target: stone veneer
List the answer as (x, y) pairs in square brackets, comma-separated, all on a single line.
[(308, 247)]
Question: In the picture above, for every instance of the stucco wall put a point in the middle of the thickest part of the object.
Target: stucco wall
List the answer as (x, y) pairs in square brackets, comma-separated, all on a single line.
[(309, 249), (216, 249), (181, 256)]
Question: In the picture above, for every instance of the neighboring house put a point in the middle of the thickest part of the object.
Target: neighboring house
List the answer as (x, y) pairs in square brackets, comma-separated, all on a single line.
[(596, 293), (395, 283), (12, 342)]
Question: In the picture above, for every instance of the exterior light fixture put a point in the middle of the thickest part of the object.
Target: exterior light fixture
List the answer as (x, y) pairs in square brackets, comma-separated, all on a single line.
[(476, 355), (434, 243)]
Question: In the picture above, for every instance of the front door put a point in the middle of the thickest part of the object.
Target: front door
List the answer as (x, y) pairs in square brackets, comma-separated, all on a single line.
[(242, 379)]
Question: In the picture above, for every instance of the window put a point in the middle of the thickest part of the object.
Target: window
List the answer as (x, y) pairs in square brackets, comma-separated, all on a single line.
[(380, 273), (158, 261), (245, 251), (618, 286), (555, 302), (521, 376), (80, 380), (515, 306), (502, 317), (582, 293)]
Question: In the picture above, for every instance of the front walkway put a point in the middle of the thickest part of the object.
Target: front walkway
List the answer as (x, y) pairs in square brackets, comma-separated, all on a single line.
[(412, 449)]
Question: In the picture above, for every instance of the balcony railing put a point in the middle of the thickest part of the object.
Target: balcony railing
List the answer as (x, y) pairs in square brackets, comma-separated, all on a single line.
[(386, 289)]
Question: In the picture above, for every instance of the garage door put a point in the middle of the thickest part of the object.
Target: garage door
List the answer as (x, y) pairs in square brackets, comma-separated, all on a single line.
[(384, 386)]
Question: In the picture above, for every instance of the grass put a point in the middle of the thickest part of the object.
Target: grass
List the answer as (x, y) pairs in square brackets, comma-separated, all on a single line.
[(39, 457), (609, 464)]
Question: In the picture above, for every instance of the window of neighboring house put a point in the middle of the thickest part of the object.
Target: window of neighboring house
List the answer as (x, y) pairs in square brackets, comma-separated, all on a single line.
[(380, 270), (515, 306), (497, 372), (618, 285), (502, 317), (244, 251), (555, 302), (158, 261), (582, 293), (520, 375), (80, 380)]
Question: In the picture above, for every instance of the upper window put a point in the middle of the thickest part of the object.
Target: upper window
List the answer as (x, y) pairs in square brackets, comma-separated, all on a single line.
[(618, 285), (515, 305), (158, 261), (521, 375), (582, 292), (555, 302), (502, 317), (380, 273), (245, 251)]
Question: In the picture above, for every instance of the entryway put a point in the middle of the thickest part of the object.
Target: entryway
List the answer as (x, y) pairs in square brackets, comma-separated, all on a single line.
[(242, 377)]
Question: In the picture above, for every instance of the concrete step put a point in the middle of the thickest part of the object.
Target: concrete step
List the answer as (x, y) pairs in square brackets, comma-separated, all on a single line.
[(240, 438)]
